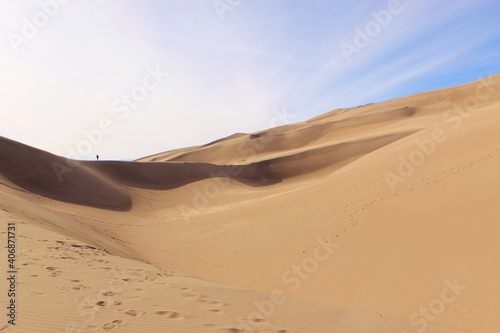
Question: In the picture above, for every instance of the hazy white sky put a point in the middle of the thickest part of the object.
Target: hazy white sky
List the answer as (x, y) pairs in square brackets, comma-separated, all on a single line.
[(141, 77)]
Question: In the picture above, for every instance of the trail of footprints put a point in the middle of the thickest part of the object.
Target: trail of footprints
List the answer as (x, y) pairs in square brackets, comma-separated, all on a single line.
[(421, 184), (213, 306), (65, 249), (355, 207), (108, 302)]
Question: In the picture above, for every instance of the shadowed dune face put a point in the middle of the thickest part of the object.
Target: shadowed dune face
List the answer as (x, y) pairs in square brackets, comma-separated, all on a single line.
[(320, 158), (170, 175), (104, 184), (303, 136), (52, 176)]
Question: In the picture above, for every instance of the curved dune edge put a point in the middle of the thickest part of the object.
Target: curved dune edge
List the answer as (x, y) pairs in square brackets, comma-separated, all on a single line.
[(287, 139), (58, 178), (166, 176), (303, 163), (105, 184)]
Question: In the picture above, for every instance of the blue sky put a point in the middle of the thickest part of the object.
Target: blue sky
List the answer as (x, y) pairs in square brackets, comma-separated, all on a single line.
[(225, 66)]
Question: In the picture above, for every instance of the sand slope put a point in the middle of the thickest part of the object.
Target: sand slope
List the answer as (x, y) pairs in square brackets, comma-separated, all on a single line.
[(380, 218)]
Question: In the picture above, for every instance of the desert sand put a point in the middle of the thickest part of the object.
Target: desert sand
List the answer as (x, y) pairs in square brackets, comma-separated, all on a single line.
[(377, 218)]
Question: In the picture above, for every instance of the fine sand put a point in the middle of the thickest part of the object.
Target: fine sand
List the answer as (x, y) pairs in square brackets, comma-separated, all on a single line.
[(375, 219)]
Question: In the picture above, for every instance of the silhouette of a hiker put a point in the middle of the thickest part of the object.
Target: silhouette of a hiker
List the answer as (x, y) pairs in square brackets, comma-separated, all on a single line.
[(97, 157)]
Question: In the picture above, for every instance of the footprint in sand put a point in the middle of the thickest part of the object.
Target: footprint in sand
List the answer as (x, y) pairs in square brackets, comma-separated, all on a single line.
[(138, 272), (55, 271), (109, 293), (234, 330), (101, 261), (170, 314), (104, 304), (134, 313), (257, 320), (162, 283), (216, 311), (112, 325)]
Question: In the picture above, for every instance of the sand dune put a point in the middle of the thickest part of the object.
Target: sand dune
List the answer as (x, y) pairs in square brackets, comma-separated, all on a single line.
[(55, 177), (379, 218)]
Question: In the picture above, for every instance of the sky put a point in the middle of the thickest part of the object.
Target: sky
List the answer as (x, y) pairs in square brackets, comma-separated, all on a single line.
[(130, 78)]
